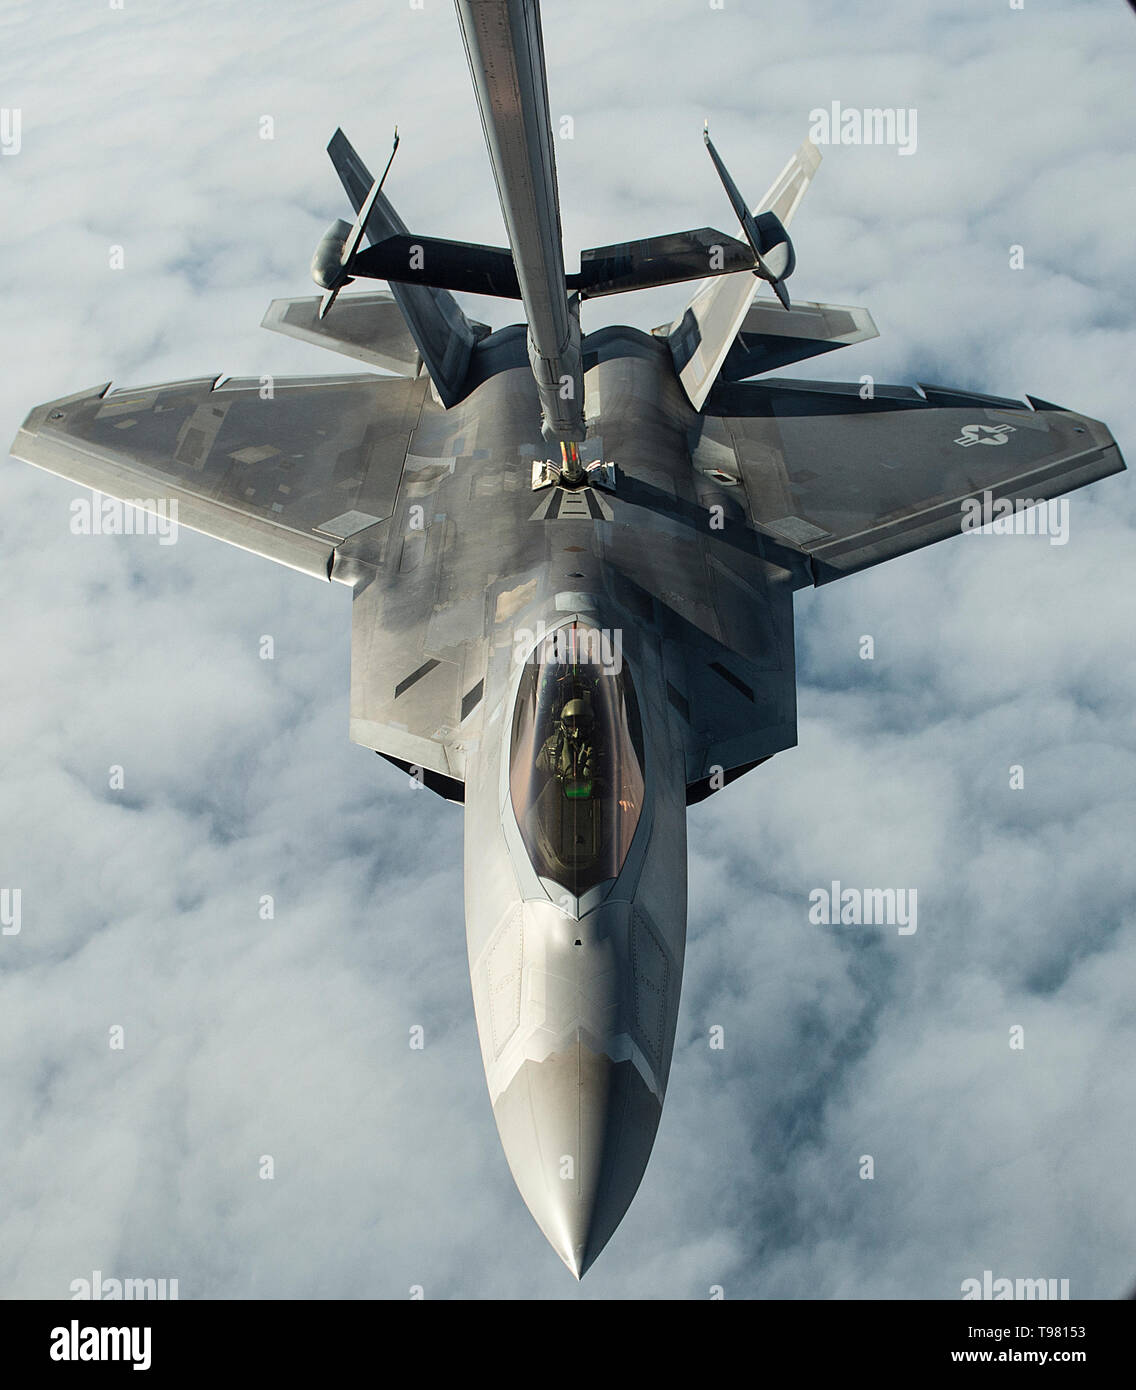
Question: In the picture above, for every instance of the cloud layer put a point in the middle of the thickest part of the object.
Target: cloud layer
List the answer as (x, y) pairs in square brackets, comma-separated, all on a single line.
[(289, 1037)]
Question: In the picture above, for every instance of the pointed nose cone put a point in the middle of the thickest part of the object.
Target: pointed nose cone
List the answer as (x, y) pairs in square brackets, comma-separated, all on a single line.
[(577, 1129)]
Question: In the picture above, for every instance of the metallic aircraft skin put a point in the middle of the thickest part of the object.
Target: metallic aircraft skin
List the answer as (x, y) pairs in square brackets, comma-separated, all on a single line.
[(506, 61), (470, 570), (576, 998)]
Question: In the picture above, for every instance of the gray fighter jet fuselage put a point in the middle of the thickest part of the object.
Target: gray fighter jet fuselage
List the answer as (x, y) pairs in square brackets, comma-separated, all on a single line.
[(575, 843), (577, 646)]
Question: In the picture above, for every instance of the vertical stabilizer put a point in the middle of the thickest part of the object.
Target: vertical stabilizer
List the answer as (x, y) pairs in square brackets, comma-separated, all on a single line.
[(701, 338), (444, 335)]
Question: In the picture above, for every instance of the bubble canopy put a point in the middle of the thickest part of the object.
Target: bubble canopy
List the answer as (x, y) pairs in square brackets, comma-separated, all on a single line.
[(576, 758)]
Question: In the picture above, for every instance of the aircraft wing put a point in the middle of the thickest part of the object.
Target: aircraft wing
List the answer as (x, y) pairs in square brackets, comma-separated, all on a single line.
[(303, 478), (288, 477), (849, 483)]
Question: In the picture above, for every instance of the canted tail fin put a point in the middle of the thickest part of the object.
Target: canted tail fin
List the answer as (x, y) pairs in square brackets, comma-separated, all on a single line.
[(705, 333), (423, 271), (445, 337), (773, 255)]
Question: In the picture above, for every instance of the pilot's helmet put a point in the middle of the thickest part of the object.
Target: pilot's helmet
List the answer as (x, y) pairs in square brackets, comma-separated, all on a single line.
[(577, 715)]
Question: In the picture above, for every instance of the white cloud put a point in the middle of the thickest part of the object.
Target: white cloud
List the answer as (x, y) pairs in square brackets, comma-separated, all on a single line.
[(289, 1037)]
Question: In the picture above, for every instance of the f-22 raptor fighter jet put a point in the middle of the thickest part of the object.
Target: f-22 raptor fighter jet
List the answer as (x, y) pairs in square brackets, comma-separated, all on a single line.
[(573, 559)]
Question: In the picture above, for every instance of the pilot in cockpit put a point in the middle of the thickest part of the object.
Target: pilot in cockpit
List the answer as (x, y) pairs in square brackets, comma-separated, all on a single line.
[(570, 752)]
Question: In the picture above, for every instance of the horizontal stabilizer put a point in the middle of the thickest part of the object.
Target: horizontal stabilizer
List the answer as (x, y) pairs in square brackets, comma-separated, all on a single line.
[(368, 327), (771, 338)]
